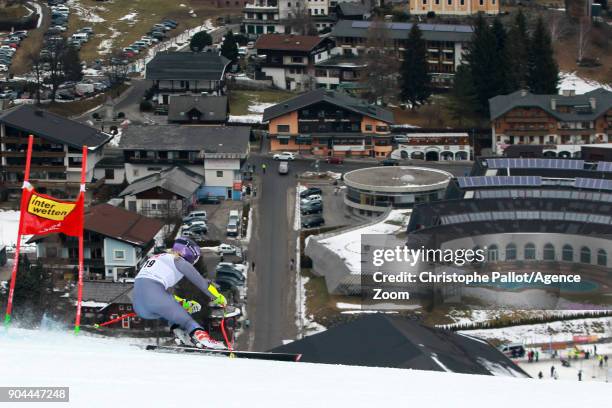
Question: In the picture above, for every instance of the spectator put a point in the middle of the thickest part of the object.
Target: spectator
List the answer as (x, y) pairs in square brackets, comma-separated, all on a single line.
[(552, 371), (579, 375), (540, 375)]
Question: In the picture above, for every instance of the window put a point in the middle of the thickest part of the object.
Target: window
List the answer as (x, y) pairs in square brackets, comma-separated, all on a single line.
[(368, 128), (585, 255), (492, 253), (481, 2), (297, 59), (283, 141), (510, 252), (602, 258), (219, 173), (567, 253), (549, 252), (424, 1), (450, 2), (118, 254), (282, 128), (462, 2), (530, 251), (109, 173)]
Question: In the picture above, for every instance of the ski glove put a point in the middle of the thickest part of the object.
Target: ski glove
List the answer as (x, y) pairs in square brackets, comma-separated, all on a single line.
[(218, 299), (191, 306)]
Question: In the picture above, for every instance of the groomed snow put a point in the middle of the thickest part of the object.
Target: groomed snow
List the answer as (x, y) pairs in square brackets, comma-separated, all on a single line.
[(105, 372)]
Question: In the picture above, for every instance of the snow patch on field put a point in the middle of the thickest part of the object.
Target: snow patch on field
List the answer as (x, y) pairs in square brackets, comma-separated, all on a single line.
[(571, 81), (546, 332), (245, 118), (9, 224), (129, 17), (86, 13)]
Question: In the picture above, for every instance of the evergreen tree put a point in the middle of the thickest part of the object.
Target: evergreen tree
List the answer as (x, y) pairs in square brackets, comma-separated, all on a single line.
[(517, 53), (543, 73), (199, 41), (501, 57), (462, 101), (481, 57), (415, 82), (229, 49), (71, 64)]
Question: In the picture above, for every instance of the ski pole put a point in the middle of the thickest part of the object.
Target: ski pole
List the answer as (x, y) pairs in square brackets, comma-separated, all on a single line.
[(116, 319), (229, 345)]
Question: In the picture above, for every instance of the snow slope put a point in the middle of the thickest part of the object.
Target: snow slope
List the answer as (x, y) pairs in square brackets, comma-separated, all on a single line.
[(104, 372)]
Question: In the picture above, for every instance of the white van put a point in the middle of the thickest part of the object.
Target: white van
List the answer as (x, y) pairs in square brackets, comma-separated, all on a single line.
[(195, 214), (80, 36)]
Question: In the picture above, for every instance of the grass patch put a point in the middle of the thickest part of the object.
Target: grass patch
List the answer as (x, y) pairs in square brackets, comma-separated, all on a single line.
[(241, 100), (13, 12), (29, 47), (149, 12), (435, 115), (79, 107)]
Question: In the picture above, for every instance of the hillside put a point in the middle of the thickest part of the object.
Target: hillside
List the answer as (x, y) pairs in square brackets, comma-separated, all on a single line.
[(104, 372)]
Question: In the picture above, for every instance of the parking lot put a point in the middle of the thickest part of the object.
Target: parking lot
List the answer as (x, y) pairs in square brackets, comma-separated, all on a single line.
[(334, 212)]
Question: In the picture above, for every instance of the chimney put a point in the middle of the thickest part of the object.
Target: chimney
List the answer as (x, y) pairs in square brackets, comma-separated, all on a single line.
[(553, 103), (593, 103)]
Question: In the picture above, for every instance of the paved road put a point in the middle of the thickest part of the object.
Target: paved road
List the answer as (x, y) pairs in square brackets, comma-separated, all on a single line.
[(271, 292)]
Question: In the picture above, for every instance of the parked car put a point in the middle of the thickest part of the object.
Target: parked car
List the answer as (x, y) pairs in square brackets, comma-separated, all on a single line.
[(310, 191), (226, 249), (284, 156), (313, 207), (312, 221), (209, 200), (335, 160), (193, 222), (232, 228), (195, 214), (197, 231), (229, 270), (389, 162), (283, 168), (310, 198), (514, 350)]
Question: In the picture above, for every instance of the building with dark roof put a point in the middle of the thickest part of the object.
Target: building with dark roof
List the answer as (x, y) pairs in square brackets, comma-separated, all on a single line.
[(106, 300), (348, 10), (57, 152), (289, 60), (116, 241), (170, 193), (186, 72), (215, 152), (381, 340), (560, 124), (198, 109), (329, 123), (445, 44)]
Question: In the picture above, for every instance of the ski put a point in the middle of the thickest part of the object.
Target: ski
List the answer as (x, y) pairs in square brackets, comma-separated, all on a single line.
[(259, 355)]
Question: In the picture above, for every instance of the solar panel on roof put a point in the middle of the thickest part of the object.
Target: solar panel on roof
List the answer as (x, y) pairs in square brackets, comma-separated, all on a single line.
[(604, 166), (360, 24), (401, 26), (490, 181), (593, 184), (535, 163)]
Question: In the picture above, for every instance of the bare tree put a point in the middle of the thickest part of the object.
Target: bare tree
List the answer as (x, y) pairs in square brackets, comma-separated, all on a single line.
[(300, 21), (53, 60), (382, 63), (584, 31), (37, 70), (117, 69), (557, 25)]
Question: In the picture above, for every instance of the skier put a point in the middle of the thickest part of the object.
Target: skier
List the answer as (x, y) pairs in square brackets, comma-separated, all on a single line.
[(153, 301)]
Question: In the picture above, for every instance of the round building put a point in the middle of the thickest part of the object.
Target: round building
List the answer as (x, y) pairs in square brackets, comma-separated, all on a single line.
[(373, 190)]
